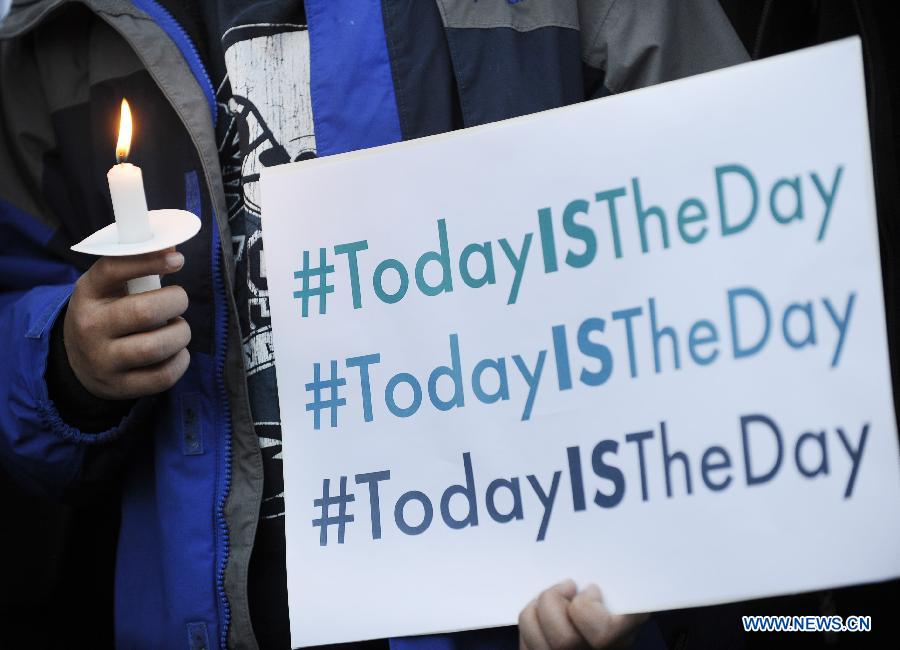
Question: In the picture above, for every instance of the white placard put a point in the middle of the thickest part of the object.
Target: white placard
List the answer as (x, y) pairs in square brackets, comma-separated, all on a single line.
[(681, 402)]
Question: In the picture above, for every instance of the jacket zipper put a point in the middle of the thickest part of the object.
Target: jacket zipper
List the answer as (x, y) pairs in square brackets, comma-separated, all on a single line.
[(184, 43), (221, 328)]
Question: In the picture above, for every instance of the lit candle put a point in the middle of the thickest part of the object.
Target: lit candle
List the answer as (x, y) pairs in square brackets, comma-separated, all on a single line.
[(126, 187)]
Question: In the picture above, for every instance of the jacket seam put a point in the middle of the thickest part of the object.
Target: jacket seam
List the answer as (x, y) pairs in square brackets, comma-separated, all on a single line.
[(399, 90), (516, 25), (596, 38)]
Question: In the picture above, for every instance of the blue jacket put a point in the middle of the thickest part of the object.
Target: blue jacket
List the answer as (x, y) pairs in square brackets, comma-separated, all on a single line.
[(187, 462)]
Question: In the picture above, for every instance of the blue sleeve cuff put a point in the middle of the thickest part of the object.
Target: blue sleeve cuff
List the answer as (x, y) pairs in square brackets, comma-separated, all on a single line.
[(53, 421)]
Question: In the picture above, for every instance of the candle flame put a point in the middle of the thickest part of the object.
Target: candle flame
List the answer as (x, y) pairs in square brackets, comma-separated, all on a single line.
[(123, 145)]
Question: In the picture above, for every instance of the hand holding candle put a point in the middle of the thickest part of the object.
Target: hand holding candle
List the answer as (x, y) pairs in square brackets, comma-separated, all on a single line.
[(123, 346), (114, 342)]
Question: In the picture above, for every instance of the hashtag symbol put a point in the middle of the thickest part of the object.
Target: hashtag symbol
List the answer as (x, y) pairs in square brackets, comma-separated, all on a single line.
[(308, 291), (342, 519), (317, 386)]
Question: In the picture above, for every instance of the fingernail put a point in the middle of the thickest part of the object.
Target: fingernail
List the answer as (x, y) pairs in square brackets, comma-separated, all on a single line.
[(567, 588), (593, 592), (174, 260)]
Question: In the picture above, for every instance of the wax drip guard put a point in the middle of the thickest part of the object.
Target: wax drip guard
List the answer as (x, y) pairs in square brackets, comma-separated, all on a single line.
[(169, 228)]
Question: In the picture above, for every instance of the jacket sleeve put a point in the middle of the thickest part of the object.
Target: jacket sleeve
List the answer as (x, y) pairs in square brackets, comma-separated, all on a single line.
[(638, 43), (45, 451)]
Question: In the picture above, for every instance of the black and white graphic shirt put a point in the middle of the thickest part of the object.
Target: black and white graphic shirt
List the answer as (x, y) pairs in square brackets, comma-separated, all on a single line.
[(266, 120), (266, 104)]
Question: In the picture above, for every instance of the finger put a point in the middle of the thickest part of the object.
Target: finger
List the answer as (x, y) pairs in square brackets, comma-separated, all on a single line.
[(629, 626), (149, 348), (530, 635), (155, 379), (145, 311), (553, 616), (600, 627), (108, 275)]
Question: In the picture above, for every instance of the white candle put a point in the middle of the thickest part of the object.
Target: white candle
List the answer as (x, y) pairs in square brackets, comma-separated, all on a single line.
[(126, 187)]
